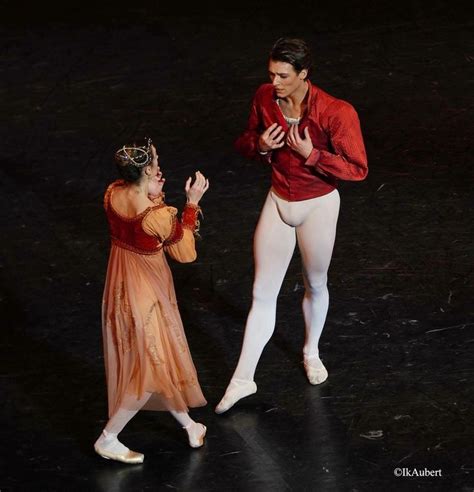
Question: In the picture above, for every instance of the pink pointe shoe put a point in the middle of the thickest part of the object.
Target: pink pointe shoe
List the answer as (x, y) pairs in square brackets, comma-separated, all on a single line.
[(315, 370), (111, 448), (196, 433)]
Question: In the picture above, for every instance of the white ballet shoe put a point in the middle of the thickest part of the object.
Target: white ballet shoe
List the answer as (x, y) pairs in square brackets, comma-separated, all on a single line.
[(196, 433), (315, 370), (237, 389), (106, 450)]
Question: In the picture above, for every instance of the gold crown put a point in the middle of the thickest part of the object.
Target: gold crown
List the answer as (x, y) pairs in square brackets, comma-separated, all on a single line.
[(135, 155)]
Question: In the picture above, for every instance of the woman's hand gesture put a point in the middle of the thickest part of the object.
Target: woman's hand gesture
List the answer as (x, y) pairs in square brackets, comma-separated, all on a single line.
[(195, 192)]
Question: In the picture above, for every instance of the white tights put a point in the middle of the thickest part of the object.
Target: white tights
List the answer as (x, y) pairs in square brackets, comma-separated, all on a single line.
[(313, 224), (129, 408)]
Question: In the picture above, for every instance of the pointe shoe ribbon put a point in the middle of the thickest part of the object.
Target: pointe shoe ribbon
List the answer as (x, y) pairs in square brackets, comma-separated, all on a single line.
[(196, 439), (315, 370), (237, 389)]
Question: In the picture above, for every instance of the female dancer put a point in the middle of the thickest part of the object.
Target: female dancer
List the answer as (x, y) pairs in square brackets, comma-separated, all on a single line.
[(311, 140), (147, 359)]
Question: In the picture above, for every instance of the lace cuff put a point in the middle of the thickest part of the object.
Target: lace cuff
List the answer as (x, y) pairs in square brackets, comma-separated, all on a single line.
[(189, 217)]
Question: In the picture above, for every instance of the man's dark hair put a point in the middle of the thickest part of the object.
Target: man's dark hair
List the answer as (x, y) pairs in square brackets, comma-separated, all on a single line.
[(293, 51)]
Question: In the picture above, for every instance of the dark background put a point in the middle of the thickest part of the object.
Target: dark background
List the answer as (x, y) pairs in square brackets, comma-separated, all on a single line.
[(83, 78)]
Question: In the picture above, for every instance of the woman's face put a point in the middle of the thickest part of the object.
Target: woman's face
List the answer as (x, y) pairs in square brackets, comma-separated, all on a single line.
[(154, 166), (285, 79), (155, 180)]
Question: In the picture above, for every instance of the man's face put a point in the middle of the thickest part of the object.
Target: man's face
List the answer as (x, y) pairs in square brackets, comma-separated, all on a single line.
[(284, 78)]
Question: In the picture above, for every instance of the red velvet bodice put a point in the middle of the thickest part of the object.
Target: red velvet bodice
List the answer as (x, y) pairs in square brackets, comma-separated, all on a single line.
[(128, 232)]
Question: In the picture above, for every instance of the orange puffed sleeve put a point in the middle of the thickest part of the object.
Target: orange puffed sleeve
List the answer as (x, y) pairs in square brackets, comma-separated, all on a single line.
[(178, 242)]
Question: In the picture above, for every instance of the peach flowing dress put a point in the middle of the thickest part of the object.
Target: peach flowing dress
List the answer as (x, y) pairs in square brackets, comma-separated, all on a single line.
[(145, 347)]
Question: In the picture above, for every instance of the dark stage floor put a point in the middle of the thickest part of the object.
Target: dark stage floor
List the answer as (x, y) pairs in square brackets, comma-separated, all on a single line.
[(399, 335)]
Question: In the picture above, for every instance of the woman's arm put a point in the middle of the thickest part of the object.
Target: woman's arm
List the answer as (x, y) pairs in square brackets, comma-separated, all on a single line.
[(176, 235), (181, 245)]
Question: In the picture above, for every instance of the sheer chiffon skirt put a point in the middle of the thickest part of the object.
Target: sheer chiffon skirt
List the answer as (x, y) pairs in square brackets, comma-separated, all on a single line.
[(145, 347)]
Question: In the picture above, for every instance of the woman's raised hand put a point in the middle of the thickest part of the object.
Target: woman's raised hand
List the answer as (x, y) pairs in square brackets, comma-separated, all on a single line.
[(195, 192)]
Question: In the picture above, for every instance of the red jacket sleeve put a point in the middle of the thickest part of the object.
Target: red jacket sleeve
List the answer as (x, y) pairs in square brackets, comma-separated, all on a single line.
[(247, 143), (349, 160)]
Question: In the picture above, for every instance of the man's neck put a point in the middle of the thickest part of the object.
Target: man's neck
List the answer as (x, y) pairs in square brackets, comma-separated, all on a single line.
[(298, 96)]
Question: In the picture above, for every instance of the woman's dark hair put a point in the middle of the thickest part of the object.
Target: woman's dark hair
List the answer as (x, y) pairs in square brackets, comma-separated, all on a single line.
[(131, 159), (293, 51), (129, 173)]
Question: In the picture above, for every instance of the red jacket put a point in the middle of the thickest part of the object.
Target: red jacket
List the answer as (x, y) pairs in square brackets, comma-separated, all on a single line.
[(334, 127)]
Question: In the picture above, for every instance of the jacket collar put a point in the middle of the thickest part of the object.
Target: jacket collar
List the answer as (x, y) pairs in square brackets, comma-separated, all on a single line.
[(311, 95)]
